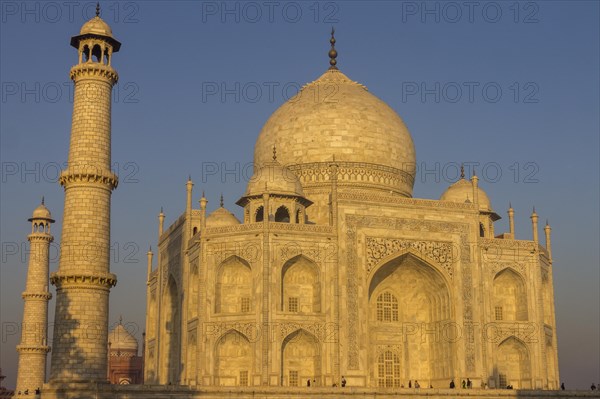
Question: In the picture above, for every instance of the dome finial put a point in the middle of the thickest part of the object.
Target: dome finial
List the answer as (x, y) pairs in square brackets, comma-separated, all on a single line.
[(332, 53), (98, 9), (462, 171), (274, 153), (42, 200), (221, 201), (120, 319)]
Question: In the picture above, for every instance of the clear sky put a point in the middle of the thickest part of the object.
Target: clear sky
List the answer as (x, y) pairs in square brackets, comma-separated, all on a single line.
[(512, 86)]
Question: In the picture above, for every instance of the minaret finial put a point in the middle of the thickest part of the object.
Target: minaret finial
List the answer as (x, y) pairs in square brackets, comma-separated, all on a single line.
[(161, 209), (42, 200), (509, 204), (274, 153), (333, 52), (121, 319), (221, 201), (98, 9), (462, 171)]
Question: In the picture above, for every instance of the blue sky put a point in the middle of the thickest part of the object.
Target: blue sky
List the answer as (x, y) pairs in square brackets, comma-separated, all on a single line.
[(512, 86)]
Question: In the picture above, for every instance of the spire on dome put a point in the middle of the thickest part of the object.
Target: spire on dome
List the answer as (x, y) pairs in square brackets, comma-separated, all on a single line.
[(462, 171), (42, 200), (333, 52), (221, 201), (98, 9)]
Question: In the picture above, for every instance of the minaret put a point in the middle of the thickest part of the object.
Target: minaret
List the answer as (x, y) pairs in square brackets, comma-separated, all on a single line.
[(34, 348), (83, 280)]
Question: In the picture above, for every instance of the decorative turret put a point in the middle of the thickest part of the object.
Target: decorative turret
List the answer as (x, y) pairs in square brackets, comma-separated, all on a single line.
[(83, 280), (511, 220), (161, 222), (287, 201), (463, 191), (475, 183), (34, 348), (203, 201), (150, 255), (547, 230), (534, 225)]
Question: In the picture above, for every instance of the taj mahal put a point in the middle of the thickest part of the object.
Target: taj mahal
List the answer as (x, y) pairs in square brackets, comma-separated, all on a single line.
[(336, 275)]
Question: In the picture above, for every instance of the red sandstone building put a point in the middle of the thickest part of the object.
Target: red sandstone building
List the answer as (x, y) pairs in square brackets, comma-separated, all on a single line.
[(124, 364)]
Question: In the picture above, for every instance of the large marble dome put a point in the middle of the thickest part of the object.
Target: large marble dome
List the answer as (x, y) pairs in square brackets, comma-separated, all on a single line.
[(337, 119)]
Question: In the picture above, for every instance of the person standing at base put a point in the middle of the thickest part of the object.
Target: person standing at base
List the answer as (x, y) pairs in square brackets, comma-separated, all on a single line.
[(343, 382), (562, 386), (452, 384), (593, 387), (464, 384), (308, 382)]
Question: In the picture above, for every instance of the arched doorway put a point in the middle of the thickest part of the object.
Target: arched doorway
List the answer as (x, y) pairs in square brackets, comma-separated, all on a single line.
[(301, 359), (409, 307), (233, 360), (300, 287), (513, 364), (510, 296), (234, 287), (170, 335)]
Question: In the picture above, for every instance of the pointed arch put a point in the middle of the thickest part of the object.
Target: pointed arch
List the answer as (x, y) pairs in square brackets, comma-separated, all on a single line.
[(233, 359), (510, 295), (282, 214), (390, 263), (300, 286), (170, 333), (408, 290), (513, 364), (234, 286), (97, 53), (301, 358), (259, 214)]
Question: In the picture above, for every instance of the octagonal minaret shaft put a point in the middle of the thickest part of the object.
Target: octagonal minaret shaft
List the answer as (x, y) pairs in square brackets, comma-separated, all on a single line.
[(34, 348), (83, 280)]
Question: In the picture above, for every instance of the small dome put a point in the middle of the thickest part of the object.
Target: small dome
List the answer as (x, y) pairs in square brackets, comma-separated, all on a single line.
[(121, 340), (221, 217), (462, 191), (96, 26), (274, 178), (41, 212)]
